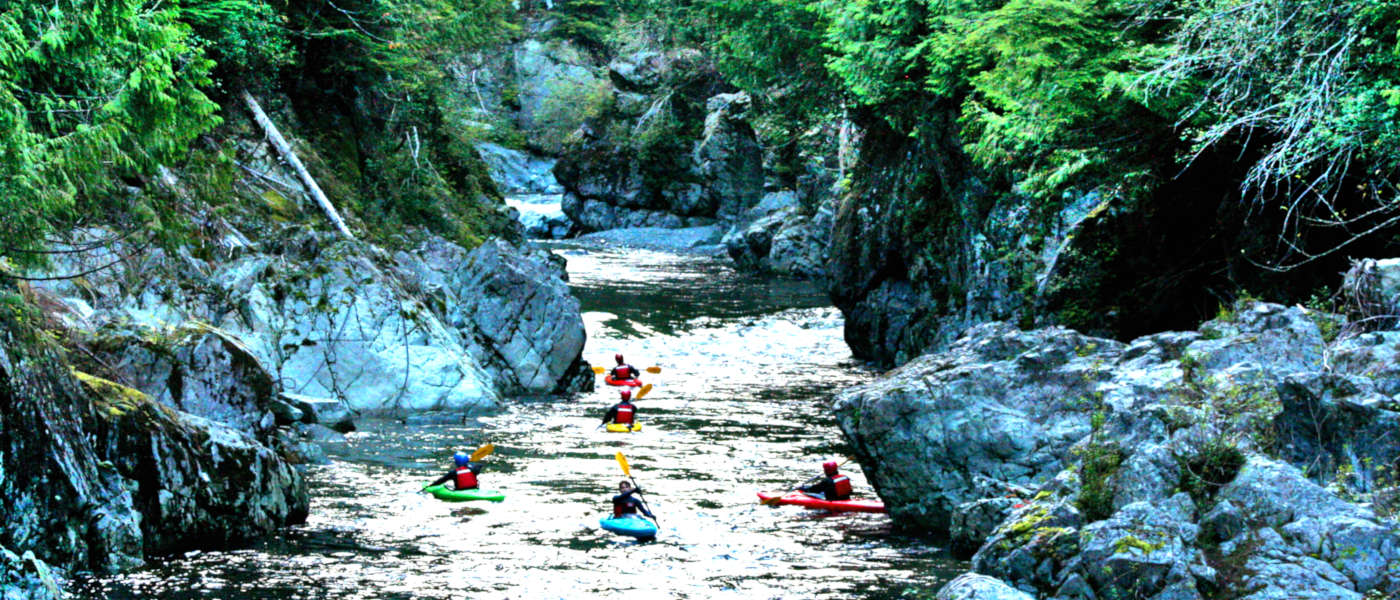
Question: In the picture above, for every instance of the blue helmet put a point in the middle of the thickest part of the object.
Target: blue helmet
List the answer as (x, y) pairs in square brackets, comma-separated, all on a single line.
[(461, 458)]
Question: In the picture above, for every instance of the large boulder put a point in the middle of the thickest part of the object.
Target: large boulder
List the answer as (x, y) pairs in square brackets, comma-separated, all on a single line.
[(971, 586), (336, 324), (1147, 458), (98, 476), (517, 304)]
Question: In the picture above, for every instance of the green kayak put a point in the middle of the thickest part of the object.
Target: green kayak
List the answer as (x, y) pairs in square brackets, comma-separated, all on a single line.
[(442, 493)]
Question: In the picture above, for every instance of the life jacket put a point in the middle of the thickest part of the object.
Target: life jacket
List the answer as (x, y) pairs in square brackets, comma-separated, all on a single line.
[(624, 414), (623, 508), (622, 373), (466, 479), (842, 484)]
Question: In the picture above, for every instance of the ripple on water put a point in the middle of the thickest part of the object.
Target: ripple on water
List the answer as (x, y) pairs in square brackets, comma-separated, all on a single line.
[(748, 369)]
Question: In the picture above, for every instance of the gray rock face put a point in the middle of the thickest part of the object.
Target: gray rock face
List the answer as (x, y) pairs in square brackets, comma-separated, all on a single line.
[(1372, 290), (518, 305), (99, 475), (971, 586), (688, 158), (727, 156), (783, 241), (516, 172), (944, 436)]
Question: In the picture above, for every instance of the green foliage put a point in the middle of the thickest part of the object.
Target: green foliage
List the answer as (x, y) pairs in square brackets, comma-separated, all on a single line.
[(587, 22), (246, 39), (92, 93), (1213, 465), (569, 105), (1099, 462)]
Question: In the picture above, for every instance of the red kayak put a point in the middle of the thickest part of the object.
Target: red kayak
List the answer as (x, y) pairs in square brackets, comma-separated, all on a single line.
[(801, 499), (608, 379)]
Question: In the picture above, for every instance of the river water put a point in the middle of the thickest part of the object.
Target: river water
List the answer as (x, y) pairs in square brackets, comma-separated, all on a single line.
[(748, 368)]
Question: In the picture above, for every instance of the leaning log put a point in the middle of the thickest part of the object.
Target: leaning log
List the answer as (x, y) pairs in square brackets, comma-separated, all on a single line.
[(285, 149)]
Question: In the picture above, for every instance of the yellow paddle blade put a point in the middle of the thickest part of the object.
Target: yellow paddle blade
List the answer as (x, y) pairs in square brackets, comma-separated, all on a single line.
[(646, 389), (483, 451), (652, 369), (622, 461), (598, 370)]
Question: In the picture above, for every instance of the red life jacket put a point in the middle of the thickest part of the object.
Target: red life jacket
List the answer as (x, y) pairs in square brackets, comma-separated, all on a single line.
[(466, 479), (843, 487), (623, 508), (622, 373), (624, 414)]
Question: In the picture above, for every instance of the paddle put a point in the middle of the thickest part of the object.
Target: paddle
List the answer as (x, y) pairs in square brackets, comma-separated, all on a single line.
[(482, 452), (770, 501), (646, 389), (626, 470), (601, 370)]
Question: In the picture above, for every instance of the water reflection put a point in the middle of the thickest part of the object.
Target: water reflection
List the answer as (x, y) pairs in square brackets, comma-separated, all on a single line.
[(747, 366)]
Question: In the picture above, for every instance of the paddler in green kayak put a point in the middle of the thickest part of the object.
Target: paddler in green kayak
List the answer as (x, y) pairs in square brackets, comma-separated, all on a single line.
[(463, 475), (832, 486)]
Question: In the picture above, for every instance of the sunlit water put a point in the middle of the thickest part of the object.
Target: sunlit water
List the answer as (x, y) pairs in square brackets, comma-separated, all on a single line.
[(748, 367)]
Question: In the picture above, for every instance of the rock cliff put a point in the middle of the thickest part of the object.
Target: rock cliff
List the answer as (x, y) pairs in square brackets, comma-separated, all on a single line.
[(1254, 458)]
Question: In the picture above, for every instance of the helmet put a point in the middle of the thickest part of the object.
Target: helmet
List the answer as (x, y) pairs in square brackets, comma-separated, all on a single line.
[(461, 458), (626, 394), (618, 357), (829, 467)]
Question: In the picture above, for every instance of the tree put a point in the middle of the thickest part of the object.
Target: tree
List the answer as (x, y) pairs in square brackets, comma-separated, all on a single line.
[(93, 93)]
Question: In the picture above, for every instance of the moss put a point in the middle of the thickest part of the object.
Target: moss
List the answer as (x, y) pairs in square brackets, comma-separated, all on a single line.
[(114, 399), (1131, 542)]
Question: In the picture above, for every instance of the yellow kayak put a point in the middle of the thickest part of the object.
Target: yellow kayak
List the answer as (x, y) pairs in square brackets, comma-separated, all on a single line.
[(622, 428)]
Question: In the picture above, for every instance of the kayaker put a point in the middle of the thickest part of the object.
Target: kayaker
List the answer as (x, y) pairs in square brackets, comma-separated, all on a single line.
[(624, 371), (463, 475), (622, 413), (625, 504), (833, 485)]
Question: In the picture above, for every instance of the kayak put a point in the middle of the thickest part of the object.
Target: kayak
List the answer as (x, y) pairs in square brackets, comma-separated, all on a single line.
[(632, 525), (801, 499), (442, 493), (608, 379), (621, 428)]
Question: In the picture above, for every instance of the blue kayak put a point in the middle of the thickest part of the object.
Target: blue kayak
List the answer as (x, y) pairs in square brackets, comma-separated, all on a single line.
[(632, 525)]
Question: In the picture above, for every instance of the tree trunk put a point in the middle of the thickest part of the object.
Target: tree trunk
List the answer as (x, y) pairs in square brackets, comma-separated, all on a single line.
[(285, 149)]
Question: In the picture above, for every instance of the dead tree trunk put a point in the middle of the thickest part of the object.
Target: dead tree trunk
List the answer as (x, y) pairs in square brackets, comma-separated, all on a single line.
[(285, 149)]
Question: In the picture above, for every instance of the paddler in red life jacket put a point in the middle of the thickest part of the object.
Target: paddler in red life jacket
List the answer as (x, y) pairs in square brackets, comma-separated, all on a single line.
[(622, 413), (833, 486), (625, 504), (624, 371), (463, 475)]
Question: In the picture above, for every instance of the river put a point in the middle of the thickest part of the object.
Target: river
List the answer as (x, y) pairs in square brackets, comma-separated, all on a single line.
[(748, 368)]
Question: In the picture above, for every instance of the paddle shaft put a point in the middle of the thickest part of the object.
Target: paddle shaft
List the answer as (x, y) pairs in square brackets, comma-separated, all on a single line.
[(643, 499)]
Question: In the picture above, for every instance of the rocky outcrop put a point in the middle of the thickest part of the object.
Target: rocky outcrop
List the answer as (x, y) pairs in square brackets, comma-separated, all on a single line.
[(333, 319), (518, 307), (674, 150), (99, 476), (777, 237), (925, 245), (1167, 467)]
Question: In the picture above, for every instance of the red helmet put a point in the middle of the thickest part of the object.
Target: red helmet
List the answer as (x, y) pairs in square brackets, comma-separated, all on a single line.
[(830, 467), (618, 357), (627, 395)]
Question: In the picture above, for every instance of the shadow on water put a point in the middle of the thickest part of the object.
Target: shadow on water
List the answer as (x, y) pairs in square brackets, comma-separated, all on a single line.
[(748, 369)]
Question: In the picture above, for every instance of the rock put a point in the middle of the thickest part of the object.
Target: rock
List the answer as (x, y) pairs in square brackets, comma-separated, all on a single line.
[(544, 73), (286, 412), (517, 305), (195, 368), (341, 326), (688, 240), (329, 412), (542, 220), (516, 172), (1337, 423), (27, 578), (728, 156), (971, 586), (321, 434), (1372, 291), (973, 522)]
